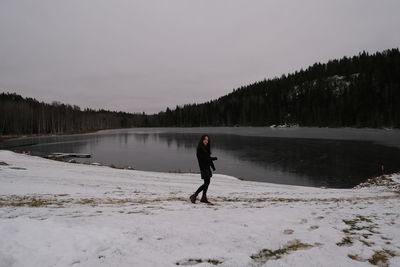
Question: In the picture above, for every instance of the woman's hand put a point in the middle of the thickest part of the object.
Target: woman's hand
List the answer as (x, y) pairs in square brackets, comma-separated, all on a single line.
[(214, 158)]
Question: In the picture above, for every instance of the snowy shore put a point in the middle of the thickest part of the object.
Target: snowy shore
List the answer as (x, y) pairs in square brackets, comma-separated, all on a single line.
[(61, 214)]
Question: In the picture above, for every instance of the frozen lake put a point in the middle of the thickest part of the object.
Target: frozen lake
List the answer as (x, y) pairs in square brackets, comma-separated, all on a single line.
[(336, 158)]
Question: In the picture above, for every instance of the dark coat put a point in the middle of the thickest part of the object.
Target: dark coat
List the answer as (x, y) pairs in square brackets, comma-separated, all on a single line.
[(205, 160)]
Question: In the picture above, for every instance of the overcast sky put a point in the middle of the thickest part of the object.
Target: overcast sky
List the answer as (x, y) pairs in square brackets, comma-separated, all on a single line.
[(146, 55)]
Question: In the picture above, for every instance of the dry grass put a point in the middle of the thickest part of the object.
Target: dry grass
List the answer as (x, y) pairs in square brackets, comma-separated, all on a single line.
[(55, 200), (266, 254), (356, 258), (346, 241), (356, 230), (306, 200), (198, 261), (366, 243), (381, 258), (86, 201), (354, 227), (28, 201)]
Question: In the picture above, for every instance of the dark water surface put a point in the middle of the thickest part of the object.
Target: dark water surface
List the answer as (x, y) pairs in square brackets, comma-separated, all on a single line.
[(336, 158)]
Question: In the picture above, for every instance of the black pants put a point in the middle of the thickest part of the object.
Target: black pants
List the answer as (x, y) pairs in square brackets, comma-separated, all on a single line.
[(204, 187), (206, 176)]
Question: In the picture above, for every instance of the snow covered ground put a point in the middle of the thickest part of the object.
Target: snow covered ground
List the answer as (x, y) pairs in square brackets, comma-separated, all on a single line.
[(62, 214)]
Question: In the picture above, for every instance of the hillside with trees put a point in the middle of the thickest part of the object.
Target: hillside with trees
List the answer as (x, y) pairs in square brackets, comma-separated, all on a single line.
[(360, 91)]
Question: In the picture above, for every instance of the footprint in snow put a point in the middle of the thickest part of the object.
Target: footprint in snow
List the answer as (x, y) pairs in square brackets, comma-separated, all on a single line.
[(303, 221), (288, 231)]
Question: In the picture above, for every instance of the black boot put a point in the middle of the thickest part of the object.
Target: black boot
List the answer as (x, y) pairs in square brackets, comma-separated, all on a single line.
[(193, 198), (204, 199)]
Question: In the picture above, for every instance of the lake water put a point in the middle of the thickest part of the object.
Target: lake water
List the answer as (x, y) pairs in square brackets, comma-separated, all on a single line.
[(336, 158)]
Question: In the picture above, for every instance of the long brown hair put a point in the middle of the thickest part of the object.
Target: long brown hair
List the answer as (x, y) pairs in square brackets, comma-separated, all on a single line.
[(205, 147)]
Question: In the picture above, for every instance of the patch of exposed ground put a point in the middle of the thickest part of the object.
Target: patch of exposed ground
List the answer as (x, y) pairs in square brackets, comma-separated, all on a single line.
[(319, 200), (186, 262), (288, 231), (29, 201), (382, 180), (266, 254), (58, 200), (356, 257), (346, 241), (379, 258), (359, 228)]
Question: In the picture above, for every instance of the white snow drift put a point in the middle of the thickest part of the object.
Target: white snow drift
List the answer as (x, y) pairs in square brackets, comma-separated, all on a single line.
[(61, 214)]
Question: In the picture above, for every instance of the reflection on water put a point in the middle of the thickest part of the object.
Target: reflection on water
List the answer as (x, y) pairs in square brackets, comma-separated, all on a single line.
[(305, 161)]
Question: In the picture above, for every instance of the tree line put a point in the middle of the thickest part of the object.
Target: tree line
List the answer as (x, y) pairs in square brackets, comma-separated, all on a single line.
[(358, 91), (19, 115)]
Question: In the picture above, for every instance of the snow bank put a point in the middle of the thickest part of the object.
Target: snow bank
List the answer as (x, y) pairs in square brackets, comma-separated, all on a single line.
[(61, 214)]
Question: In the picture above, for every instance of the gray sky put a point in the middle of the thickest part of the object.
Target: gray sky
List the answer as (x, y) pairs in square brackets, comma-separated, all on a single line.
[(146, 55)]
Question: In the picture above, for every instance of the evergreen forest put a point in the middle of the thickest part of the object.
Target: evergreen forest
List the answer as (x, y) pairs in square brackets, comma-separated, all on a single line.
[(358, 91)]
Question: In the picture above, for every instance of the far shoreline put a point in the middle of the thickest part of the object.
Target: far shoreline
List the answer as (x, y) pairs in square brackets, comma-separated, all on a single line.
[(18, 136)]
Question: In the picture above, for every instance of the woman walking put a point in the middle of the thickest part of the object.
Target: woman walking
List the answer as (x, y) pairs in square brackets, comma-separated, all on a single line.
[(205, 163)]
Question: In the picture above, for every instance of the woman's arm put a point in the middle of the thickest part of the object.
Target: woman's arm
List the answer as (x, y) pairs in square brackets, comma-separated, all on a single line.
[(205, 160), (212, 165)]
